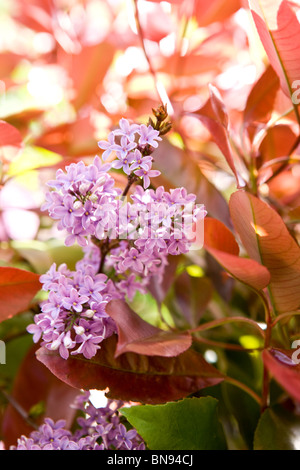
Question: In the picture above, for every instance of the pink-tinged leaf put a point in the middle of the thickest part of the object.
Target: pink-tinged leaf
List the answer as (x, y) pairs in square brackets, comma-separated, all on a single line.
[(277, 143), (213, 116), (218, 106), (284, 369), (214, 10), (134, 377), (34, 384), (17, 289), (155, 22), (11, 142), (279, 30), (221, 244), (138, 336), (261, 100), (267, 241), (36, 14), (87, 70)]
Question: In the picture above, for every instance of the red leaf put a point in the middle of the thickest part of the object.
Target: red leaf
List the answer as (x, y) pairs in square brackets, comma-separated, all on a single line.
[(36, 14), (277, 142), (155, 22), (214, 10), (285, 371), (261, 100), (218, 106), (33, 384), (133, 377), (136, 335), (17, 289), (87, 70), (221, 244), (279, 30), (11, 141), (214, 117), (267, 240)]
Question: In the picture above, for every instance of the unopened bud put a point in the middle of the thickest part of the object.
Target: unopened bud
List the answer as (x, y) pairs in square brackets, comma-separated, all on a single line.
[(165, 128), (77, 205), (160, 113), (89, 313), (79, 330)]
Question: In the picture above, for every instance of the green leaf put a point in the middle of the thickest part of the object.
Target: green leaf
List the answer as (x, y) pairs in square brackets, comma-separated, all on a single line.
[(32, 158), (189, 424), (278, 429)]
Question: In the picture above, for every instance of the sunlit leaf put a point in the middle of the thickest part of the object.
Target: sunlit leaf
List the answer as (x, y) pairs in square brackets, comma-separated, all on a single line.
[(221, 244), (279, 30), (11, 141), (267, 241), (17, 289), (261, 99), (32, 158)]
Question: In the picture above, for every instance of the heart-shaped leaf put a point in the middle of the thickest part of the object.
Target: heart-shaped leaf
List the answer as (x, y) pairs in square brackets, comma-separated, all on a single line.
[(189, 424), (267, 241), (134, 377), (136, 335), (221, 244), (17, 289)]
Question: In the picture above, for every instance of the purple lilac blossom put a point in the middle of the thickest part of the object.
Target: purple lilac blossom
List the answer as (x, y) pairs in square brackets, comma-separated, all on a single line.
[(97, 429), (146, 229)]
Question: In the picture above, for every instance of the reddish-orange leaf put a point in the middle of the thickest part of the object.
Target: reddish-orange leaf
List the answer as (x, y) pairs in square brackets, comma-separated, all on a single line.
[(267, 241), (279, 30), (134, 377), (261, 100), (17, 289), (136, 335), (278, 142), (214, 10), (11, 141), (214, 117), (284, 369), (221, 244)]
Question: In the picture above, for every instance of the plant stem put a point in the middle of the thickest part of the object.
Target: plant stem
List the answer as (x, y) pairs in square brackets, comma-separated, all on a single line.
[(219, 344), (18, 408), (142, 39), (244, 387), (223, 321)]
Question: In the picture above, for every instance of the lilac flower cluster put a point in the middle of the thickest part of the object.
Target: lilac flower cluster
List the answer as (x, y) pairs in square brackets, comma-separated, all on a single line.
[(97, 429), (129, 239), (83, 201), (134, 139)]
